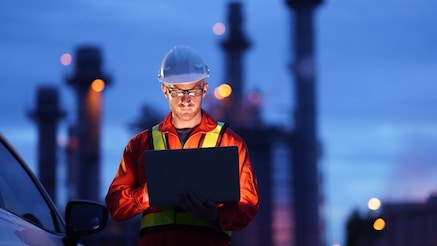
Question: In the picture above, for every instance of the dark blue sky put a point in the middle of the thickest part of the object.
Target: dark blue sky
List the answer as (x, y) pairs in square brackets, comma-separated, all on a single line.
[(376, 80)]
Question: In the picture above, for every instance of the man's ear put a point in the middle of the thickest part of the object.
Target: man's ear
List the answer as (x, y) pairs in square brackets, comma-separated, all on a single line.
[(164, 91), (205, 89)]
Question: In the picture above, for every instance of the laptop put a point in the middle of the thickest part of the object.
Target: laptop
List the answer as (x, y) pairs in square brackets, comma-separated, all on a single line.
[(210, 173)]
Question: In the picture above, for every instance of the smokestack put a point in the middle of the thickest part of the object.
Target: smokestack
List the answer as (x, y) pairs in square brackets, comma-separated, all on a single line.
[(88, 74), (47, 115), (305, 147), (234, 47)]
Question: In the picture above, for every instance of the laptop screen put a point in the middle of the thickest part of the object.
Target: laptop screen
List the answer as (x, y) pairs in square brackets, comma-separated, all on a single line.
[(210, 173)]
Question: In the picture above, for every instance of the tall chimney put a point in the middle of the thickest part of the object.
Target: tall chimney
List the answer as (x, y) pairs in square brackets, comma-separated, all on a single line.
[(47, 115), (88, 73), (258, 139), (234, 48), (305, 148)]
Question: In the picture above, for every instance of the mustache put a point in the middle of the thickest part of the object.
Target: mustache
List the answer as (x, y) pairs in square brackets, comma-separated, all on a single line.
[(186, 105)]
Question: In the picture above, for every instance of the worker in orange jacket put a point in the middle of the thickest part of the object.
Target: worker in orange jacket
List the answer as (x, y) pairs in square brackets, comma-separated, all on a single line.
[(183, 77)]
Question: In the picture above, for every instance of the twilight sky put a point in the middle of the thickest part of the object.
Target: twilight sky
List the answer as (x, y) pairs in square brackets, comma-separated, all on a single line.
[(376, 80)]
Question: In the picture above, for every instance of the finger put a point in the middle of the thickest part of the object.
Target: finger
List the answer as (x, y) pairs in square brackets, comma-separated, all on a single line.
[(194, 201), (211, 204), (183, 200)]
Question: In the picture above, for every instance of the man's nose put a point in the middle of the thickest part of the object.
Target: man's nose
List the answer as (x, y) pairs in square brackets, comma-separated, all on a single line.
[(186, 98)]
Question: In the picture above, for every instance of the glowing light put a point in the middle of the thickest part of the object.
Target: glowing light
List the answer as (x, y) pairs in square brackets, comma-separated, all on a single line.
[(379, 224), (222, 91), (66, 59), (374, 203), (98, 85), (219, 28)]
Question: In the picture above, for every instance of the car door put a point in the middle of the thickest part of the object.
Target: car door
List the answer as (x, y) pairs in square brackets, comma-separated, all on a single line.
[(16, 231), (27, 215), (8, 229)]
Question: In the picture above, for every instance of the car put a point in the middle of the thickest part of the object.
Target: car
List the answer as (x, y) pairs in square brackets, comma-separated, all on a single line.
[(28, 216)]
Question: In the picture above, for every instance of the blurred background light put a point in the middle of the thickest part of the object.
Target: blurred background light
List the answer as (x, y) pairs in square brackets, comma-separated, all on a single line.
[(98, 85), (219, 28), (66, 59), (222, 91), (374, 203)]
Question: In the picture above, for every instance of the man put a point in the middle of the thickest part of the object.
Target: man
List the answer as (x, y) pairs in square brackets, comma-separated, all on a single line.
[(183, 77)]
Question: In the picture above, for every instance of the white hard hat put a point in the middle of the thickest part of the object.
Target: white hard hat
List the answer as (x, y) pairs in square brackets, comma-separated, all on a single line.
[(182, 64)]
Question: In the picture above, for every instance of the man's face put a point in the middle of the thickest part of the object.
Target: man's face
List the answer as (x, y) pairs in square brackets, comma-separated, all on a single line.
[(185, 100)]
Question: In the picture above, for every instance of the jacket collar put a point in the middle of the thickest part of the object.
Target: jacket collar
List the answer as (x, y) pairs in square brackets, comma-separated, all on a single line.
[(207, 124)]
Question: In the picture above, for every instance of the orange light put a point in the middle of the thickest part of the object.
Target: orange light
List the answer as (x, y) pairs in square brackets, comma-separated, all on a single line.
[(219, 28), (379, 224), (66, 59), (223, 91), (98, 85)]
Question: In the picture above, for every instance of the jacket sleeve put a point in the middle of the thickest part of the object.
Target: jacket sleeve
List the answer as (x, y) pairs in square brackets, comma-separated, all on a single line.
[(235, 217), (127, 194)]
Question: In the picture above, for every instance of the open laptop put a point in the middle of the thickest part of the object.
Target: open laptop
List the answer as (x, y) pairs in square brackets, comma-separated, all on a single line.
[(210, 173)]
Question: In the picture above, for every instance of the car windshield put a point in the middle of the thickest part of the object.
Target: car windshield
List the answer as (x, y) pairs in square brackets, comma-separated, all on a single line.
[(20, 195)]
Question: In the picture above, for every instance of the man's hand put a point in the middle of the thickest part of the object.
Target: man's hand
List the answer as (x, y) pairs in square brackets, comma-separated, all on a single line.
[(189, 202)]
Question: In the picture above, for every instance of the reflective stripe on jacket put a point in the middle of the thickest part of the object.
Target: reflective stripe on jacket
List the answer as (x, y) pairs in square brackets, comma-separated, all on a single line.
[(170, 215)]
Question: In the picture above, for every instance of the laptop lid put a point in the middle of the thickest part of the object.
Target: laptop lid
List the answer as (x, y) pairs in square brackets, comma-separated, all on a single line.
[(210, 173)]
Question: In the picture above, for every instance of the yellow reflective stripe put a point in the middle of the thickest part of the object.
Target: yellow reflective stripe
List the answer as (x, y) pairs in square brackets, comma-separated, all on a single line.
[(212, 136), (158, 141), (167, 217)]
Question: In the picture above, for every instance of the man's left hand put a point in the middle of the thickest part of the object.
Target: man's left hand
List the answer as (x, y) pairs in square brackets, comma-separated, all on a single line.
[(189, 202)]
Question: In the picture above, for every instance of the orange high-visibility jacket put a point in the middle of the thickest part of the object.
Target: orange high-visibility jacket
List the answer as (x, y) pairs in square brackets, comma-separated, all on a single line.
[(127, 195)]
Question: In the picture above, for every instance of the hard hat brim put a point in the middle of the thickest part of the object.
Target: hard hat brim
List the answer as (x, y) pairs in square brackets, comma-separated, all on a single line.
[(183, 78)]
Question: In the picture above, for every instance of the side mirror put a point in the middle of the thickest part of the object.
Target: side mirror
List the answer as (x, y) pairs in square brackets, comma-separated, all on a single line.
[(84, 218)]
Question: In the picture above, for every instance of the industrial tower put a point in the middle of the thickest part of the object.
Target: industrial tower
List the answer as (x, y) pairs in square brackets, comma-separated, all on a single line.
[(258, 139), (84, 159), (305, 147), (234, 48), (47, 115)]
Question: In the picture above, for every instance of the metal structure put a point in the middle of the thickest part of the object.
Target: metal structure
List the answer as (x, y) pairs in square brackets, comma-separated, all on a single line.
[(87, 129), (258, 139), (47, 115), (305, 147), (234, 47)]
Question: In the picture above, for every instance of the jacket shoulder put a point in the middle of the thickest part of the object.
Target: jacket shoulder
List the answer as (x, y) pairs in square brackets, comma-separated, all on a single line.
[(139, 140), (232, 136)]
